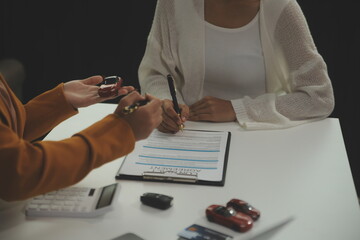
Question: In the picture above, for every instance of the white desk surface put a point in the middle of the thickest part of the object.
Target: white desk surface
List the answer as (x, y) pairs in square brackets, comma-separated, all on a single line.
[(301, 172)]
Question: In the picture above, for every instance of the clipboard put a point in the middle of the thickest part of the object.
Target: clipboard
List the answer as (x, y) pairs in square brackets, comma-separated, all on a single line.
[(153, 158)]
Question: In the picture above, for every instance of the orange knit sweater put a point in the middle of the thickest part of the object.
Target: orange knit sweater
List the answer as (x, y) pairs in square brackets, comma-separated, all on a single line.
[(29, 168)]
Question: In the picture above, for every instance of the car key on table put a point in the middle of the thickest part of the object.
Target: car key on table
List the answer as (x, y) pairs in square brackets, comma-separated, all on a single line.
[(156, 200)]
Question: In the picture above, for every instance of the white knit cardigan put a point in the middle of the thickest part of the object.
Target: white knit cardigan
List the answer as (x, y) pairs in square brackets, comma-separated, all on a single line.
[(298, 88)]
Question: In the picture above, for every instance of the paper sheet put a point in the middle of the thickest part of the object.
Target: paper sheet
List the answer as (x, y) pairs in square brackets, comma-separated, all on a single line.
[(190, 153)]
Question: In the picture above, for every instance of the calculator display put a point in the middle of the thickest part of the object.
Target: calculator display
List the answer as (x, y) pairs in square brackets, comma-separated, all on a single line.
[(106, 196)]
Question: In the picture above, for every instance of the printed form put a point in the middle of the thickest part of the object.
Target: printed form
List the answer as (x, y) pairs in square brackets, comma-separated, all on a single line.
[(187, 154)]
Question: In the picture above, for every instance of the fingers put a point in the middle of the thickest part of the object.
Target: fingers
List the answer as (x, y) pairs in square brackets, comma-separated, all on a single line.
[(185, 112), (131, 98), (203, 110), (135, 97), (201, 117), (150, 97), (212, 109), (93, 80), (146, 118), (168, 108), (200, 105), (125, 90), (172, 123), (169, 124), (154, 102), (152, 113), (199, 114), (199, 111), (164, 129)]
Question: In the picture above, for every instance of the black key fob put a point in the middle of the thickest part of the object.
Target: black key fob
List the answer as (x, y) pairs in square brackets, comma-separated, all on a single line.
[(156, 200)]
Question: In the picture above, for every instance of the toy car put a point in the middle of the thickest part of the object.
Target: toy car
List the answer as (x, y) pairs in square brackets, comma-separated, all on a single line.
[(109, 86), (244, 207), (228, 217)]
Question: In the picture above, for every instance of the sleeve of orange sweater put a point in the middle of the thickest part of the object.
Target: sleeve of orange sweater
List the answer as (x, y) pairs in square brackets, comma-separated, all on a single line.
[(46, 111), (29, 169)]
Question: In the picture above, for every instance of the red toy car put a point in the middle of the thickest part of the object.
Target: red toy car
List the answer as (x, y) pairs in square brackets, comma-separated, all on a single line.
[(110, 86), (244, 207), (228, 217)]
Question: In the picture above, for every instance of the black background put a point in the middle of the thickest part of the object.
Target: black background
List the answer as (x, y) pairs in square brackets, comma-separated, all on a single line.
[(58, 41)]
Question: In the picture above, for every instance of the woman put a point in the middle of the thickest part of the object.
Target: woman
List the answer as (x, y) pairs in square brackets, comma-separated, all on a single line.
[(253, 61)]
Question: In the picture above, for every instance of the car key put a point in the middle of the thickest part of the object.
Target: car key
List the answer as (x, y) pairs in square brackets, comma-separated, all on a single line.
[(157, 200)]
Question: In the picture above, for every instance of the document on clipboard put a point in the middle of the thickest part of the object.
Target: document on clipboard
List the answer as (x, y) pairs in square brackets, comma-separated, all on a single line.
[(189, 156)]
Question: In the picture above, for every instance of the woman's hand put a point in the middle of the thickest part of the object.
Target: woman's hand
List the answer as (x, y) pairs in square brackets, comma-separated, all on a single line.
[(144, 119), (171, 122), (83, 93), (212, 109)]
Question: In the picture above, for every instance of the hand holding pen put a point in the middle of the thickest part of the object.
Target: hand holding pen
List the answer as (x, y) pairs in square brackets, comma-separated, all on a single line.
[(143, 114), (174, 114), (131, 108)]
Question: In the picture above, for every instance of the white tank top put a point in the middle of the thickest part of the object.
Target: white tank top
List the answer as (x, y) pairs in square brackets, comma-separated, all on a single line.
[(234, 62)]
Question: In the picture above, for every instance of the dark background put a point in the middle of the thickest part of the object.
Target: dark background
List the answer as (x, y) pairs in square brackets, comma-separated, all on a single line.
[(58, 41)]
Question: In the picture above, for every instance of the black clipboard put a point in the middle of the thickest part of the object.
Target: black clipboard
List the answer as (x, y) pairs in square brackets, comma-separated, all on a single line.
[(174, 178)]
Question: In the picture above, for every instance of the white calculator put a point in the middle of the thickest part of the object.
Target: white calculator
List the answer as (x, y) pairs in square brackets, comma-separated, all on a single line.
[(73, 202)]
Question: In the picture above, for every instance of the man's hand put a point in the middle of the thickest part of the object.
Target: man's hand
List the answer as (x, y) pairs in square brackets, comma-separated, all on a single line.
[(143, 120), (171, 121), (83, 93), (212, 109)]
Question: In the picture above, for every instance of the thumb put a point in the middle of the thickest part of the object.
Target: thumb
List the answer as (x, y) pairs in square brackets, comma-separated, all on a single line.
[(93, 80)]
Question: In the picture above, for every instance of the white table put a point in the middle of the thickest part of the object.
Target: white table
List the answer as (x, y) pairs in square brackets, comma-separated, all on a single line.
[(301, 172)]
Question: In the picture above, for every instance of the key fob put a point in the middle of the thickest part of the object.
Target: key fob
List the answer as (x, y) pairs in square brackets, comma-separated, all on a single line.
[(156, 200)]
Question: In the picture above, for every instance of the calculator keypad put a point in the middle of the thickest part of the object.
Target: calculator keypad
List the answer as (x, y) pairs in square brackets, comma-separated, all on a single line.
[(73, 202), (64, 200)]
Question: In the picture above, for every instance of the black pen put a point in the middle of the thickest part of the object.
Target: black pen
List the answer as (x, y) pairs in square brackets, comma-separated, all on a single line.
[(174, 99), (129, 109)]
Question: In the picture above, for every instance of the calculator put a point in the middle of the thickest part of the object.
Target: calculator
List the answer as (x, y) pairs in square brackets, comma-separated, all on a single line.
[(73, 202)]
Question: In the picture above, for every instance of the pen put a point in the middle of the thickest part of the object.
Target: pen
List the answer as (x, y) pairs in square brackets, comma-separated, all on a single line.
[(131, 108), (174, 99)]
